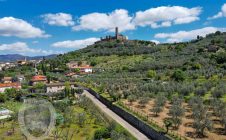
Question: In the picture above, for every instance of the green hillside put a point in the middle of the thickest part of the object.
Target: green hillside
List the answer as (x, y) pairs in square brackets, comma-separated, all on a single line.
[(186, 68), (182, 83)]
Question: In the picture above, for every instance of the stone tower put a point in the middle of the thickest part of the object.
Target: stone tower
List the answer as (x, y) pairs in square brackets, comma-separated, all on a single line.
[(116, 33)]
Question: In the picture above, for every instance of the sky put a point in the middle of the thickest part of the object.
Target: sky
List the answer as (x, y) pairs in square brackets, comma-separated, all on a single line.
[(43, 27)]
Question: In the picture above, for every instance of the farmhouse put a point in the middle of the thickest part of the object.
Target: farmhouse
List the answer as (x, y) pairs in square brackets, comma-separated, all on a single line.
[(7, 80), (85, 69), (72, 64), (57, 87), (38, 79), (5, 86)]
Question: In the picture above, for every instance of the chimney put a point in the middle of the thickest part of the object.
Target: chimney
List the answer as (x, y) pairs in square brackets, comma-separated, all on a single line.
[(116, 32)]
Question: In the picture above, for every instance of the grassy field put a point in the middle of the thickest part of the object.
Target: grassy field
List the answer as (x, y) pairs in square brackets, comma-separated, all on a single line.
[(72, 130)]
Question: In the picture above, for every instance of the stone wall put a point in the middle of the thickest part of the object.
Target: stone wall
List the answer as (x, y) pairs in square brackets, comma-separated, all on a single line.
[(134, 121)]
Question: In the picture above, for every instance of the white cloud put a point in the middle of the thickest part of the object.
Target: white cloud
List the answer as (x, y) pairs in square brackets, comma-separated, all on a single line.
[(58, 19), (187, 35), (10, 26), (22, 48), (155, 41), (102, 21), (220, 14), (75, 44), (164, 16)]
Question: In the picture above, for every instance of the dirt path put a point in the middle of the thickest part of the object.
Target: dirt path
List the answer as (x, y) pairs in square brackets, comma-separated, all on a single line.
[(132, 130)]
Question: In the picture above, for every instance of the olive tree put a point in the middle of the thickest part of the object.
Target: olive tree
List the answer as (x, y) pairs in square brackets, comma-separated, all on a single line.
[(201, 116), (131, 99), (158, 104), (219, 109), (143, 101), (176, 111)]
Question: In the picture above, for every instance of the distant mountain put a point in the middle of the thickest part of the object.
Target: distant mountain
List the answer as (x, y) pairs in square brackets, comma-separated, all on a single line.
[(15, 57)]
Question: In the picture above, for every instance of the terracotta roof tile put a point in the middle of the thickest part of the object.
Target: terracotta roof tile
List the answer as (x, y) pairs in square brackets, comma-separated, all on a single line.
[(15, 85)]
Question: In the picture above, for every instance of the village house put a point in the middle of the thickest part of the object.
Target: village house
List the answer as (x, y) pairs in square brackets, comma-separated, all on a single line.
[(57, 87), (5, 113), (4, 86), (7, 80), (9, 65), (84, 69), (38, 79), (6, 65), (20, 78), (22, 62), (72, 64)]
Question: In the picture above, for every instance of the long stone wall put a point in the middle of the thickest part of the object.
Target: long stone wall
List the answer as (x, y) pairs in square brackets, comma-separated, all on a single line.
[(134, 121)]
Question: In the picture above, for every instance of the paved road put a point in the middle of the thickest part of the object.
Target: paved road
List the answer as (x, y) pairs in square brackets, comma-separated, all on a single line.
[(136, 133)]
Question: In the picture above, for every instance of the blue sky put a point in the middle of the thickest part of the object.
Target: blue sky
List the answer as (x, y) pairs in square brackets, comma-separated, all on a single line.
[(43, 27)]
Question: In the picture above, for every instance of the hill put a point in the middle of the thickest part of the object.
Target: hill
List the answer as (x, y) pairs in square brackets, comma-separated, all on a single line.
[(15, 57), (182, 85)]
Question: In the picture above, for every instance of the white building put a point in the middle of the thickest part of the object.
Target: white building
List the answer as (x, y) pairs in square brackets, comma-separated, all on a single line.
[(57, 87), (85, 69), (5, 86), (5, 113)]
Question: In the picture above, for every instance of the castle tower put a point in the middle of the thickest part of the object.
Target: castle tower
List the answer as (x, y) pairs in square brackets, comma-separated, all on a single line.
[(116, 32)]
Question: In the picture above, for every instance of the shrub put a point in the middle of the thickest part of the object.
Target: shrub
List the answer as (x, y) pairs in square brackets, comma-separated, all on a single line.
[(151, 74), (196, 66), (102, 133), (2, 97), (178, 75), (221, 57), (93, 63)]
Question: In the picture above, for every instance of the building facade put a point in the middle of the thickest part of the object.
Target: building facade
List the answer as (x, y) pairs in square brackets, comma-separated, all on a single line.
[(38, 79), (5, 86), (57, 87)]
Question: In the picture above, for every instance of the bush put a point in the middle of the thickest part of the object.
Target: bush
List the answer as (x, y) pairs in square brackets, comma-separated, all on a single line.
[(151, 74), (218, 93), (2, 97), (93, 63), (221, 57), (196, 66), (178, 75), (102, 133)]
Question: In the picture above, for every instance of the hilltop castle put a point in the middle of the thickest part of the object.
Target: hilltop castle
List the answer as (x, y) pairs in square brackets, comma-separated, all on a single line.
[(116, 37)]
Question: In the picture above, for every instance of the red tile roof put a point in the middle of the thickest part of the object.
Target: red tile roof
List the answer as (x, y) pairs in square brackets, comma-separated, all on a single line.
[(38, 78), (14, 85), (83, 67)]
